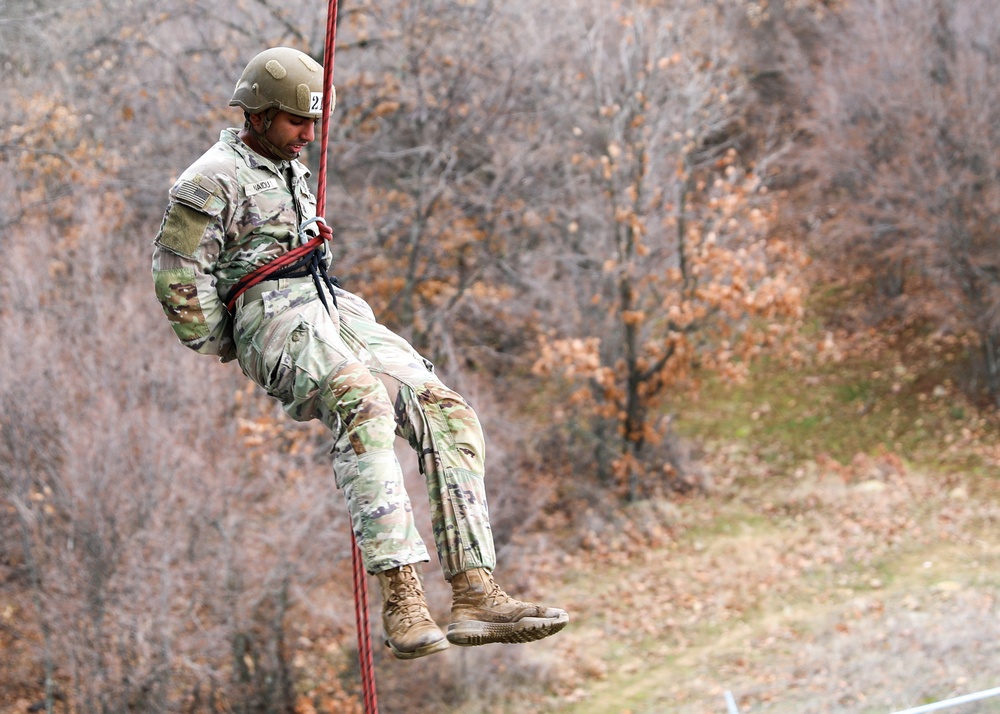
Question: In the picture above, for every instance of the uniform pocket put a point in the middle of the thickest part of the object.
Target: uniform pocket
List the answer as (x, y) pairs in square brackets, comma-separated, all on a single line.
[(280, 356)]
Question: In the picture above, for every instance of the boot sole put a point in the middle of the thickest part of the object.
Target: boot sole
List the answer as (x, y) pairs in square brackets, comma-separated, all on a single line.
[(471, 633), (430, 649)]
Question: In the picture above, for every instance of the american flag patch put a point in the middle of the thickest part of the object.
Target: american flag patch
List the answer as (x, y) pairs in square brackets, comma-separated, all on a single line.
[(192, 194)]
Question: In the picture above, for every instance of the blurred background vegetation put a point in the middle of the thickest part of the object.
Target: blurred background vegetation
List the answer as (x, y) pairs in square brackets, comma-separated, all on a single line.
[(648, 239)]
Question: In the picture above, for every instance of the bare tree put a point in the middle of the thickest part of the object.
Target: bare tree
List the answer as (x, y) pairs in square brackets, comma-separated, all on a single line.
[(431, 191), (129, 467), (906, 141), (664, 227)]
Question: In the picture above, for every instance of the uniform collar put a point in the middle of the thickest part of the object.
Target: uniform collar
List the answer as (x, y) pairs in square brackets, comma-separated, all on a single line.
[(255, 160)]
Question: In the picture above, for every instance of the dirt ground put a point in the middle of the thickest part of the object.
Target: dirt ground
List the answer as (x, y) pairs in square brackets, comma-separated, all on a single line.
[(866, 588)]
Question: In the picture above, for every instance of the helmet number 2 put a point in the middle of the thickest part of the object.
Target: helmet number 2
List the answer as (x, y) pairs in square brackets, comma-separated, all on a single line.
[(316, 103)]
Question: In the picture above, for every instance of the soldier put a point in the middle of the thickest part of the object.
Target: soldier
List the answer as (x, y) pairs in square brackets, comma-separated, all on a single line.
[(319, 350)]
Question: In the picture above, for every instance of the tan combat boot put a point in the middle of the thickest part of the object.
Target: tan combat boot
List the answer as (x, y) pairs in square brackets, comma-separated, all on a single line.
[(410, 632), (482, 613)]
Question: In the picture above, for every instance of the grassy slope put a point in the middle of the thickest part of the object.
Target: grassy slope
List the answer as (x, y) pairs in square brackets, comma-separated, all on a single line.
[(847, 560)]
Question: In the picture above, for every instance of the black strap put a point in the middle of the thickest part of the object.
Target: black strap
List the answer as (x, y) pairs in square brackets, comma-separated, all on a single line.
[(311, 264), (320, 276)]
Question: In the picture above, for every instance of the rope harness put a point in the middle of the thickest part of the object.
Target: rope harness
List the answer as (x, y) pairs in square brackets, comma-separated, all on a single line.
[(304, 260), (307, 259)]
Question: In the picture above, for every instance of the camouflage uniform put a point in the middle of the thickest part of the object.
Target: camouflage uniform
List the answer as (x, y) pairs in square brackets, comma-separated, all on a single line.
[(233, 211)]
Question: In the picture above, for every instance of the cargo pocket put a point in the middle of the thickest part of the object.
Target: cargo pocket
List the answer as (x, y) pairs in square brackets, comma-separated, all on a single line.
[(281, 359), (452, 427)]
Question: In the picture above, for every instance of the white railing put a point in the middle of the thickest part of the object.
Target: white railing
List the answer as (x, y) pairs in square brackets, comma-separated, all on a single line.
[(943, 704)]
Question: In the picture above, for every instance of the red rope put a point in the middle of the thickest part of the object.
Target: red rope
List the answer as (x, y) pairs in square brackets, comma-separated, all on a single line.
[(263, 273), (366, 666), (328, 55)]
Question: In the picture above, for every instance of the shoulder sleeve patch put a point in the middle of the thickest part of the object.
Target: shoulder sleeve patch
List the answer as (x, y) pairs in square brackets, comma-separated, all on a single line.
[(183, 229), (200, 193)]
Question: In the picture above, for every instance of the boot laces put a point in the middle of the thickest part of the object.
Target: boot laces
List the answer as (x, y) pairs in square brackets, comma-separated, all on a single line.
[(496, 595), (406, 600)]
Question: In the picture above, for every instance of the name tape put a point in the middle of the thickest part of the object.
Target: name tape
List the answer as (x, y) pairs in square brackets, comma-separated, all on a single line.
[(255, 188)]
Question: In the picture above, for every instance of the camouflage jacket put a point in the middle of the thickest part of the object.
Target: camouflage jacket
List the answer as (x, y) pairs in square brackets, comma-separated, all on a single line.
[(230, 212)]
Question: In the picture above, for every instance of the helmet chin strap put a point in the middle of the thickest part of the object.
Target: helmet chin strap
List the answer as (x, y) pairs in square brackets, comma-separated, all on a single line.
[(261, 136)]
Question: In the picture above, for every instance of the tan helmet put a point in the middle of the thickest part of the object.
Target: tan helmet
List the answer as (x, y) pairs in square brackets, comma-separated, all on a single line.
[(282, 78)]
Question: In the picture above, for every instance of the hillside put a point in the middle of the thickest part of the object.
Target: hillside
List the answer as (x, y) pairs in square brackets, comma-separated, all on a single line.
[(870, 594), (803, 582), (843, 558)]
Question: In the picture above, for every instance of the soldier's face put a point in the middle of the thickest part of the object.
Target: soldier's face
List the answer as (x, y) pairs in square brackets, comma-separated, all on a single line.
[(291, 133)]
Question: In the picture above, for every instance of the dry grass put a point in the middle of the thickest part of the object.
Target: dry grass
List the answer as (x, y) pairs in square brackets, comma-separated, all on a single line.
[(804, 584), (824, 597), (870, 587)]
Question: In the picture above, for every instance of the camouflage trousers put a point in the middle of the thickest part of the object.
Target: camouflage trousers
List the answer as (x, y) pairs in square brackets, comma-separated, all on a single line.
[(369, 385)]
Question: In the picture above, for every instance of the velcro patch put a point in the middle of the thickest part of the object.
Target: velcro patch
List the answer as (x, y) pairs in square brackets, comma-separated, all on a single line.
[(183, 229)]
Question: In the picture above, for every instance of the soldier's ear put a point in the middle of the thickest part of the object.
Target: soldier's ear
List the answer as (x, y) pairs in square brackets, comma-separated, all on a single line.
[(256, 120)]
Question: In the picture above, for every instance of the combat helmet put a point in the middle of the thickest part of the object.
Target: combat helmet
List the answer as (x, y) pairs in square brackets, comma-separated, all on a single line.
[(282, 78)]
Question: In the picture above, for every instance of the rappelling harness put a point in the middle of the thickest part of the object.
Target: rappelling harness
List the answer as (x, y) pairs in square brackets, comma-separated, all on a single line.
[(305, 260)]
